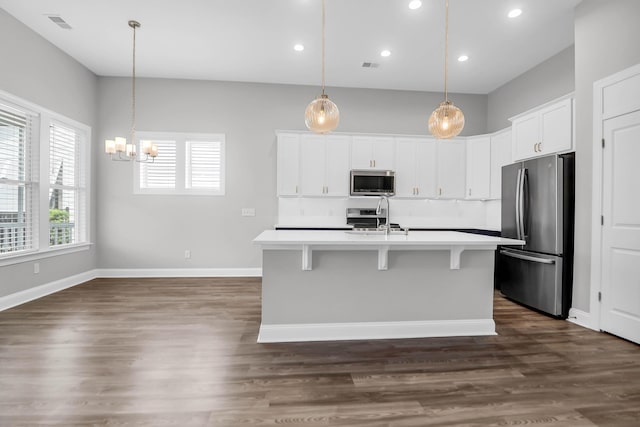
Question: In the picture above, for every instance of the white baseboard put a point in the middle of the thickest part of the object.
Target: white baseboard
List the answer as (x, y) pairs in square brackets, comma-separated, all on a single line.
[(581, 318), (374, 330), (179, 272), (27, 295)]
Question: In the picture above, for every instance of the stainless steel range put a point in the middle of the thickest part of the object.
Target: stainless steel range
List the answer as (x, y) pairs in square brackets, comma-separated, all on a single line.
[(366, 219)]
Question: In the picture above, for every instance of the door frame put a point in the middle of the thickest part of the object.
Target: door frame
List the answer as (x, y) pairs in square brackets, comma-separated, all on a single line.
[(601, 113)]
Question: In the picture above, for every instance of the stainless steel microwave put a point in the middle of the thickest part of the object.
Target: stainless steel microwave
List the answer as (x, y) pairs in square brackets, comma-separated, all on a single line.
[(373, 183)]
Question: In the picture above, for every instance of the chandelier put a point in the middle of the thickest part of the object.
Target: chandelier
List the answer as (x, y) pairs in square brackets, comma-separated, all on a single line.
[(127, 151), (447, 120), (322, 115)]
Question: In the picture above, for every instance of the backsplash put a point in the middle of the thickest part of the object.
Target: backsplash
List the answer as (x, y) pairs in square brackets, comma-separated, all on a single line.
[(424, 213)]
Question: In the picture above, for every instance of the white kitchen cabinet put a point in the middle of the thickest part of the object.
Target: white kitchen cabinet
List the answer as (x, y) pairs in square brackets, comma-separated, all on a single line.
[(324, 165), (416, 167), (288, 167), (500, 156), (546, 130), (478, 167), (451, 168), (373, 152)]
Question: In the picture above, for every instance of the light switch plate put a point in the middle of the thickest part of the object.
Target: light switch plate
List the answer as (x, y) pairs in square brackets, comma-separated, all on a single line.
[(248, 211)]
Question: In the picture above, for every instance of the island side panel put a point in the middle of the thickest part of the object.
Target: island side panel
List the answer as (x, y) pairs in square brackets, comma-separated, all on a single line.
[(346, 286)]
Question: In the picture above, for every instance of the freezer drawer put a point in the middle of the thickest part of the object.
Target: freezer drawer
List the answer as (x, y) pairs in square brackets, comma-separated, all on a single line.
[(532, 279)]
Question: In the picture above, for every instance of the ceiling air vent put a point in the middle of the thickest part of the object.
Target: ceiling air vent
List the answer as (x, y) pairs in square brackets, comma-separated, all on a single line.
[(370, 65), (56, 19)]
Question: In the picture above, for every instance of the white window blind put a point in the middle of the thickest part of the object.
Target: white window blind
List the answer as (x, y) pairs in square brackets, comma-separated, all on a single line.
[(186, 164), (67, 177), (204, 165), (161, 173), (18, 196)]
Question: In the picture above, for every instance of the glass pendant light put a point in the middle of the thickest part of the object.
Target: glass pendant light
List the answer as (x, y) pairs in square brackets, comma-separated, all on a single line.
[(447, 120), (322, 115)]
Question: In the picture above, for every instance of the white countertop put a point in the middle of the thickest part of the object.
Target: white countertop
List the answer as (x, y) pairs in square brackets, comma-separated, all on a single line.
[(346, 238)]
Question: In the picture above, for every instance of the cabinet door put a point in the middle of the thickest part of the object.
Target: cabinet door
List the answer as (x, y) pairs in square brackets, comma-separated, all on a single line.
[(361, 152), (312, 165), (500, 156), (384, 153), (406, 167), (451, 168), (337, 149), (478, 167), (288, 158), (426, 168), (555, 128), (526, 136)]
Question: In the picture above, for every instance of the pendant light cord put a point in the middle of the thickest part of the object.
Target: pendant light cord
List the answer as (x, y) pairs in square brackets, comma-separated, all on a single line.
[(133, 89), (323, 20), (446, 48)]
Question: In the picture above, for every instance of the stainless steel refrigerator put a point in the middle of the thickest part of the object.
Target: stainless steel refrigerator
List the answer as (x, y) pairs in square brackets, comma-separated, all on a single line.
[(538, 207)]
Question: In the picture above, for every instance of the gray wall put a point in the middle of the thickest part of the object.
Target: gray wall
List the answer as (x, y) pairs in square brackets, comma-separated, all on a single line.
[(35, 70), (545, 82), (606, 40), (141, 231)]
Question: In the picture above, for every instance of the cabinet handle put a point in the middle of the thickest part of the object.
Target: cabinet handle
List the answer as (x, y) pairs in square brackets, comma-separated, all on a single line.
[(417, 190), (370, 163), (296, 189), (469, 192), (439, 191), (374, 163), (539, 147)]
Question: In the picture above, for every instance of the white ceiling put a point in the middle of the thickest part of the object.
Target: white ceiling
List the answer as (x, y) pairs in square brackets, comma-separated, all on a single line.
[(252, 40)]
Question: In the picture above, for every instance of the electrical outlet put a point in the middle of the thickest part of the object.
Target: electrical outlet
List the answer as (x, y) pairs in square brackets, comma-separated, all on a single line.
[(36, 267), (187, 254), (248, 211)]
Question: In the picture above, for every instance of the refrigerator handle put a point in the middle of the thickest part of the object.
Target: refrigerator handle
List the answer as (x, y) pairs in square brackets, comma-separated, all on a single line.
[(518, 204), (524, 202), (527, 257)]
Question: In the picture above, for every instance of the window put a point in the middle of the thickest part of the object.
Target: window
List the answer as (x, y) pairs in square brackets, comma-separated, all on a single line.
[(43, 181), (186, 164), (18, 201), (67, 187)]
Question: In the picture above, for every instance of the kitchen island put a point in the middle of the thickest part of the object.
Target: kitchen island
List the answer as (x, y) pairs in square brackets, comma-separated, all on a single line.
[(322, 285)]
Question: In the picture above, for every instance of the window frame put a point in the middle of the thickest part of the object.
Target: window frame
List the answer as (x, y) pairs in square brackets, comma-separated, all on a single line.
[(180, 139), (43, 117)]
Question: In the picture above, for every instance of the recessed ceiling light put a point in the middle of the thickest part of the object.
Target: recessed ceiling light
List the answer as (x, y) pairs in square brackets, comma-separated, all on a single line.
[(298, 48), (463, 58), (415, 4), (385, 53), (514, 13)]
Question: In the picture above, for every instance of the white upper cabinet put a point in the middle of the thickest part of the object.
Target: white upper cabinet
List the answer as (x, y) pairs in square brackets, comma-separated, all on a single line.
[(324, 165), (546, 130), (288, 158), (416, 171), (478, 167), (500, 156), (373, 152), (452, 155)]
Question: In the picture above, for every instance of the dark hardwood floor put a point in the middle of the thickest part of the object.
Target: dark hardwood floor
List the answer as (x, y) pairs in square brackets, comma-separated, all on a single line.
[(183, 352)]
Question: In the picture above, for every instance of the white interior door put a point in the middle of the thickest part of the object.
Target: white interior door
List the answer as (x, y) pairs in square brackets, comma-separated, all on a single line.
[(620, 311)]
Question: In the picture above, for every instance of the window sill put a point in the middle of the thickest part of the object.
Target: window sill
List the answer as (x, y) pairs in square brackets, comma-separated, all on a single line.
[(48, 253)]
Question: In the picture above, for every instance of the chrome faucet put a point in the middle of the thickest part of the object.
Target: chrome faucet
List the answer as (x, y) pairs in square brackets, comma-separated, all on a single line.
[(387, 225)]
